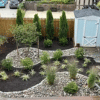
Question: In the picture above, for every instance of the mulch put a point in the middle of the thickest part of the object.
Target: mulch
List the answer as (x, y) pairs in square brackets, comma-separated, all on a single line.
[(17, 84)]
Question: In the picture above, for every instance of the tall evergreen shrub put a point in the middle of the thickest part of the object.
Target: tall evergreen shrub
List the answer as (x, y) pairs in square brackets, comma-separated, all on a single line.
[(38, 23), (49, 25), (63, 26), (19, 19)]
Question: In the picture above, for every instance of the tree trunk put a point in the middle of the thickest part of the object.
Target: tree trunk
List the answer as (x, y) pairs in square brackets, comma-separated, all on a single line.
[(38, 46)]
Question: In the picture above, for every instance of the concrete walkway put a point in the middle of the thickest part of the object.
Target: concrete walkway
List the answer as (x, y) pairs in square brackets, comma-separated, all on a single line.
[(30, 14)]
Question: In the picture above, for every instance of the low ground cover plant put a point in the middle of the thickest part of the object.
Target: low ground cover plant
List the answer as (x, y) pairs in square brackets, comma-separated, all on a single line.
[(44, 57), (56, 63), (79, 53), (71, 88), (86, 61), (7, 64), (32, 72), (65, 61), (63, 66), (3, 75), (73, 69), (47, 43), (27, 63), (25, 77), (57, 54), (92, 77), (42, 73), (63, 41), (17, 73)]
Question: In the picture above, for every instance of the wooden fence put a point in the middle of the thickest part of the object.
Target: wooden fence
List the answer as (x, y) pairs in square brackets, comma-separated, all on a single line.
[(5, 25)]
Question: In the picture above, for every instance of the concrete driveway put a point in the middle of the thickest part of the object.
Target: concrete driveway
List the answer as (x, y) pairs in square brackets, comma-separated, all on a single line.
[(7, 12)]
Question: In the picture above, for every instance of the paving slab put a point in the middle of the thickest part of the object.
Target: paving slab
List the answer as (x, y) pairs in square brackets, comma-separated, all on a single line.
[(42, 14)]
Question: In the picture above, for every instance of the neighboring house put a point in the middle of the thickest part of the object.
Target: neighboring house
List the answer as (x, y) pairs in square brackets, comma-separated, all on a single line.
[(81, 3), (87, 27)]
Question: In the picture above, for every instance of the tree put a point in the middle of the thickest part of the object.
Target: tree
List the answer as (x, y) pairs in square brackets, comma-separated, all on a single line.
[(25, 34), (19, 19), (36, 20), (49, 25), (63, 26)]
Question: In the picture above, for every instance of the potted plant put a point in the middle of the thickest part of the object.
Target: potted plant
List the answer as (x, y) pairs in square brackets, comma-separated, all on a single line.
[(39, 7), (54, 7)]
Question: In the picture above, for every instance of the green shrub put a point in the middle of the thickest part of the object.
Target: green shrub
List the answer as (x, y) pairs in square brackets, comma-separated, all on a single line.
[(27, 63), (92, 77), (45, 57), (51, 74), (71, 88), (49, 25), (57, 54), (47, 43), (7, 64), (63, 41), (25, 77), (63, 26), (73, 70), (79, 53), (17, 73), (19, 19)]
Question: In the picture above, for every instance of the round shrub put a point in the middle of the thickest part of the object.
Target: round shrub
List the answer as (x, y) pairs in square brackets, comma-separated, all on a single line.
[(57, 54), (79, 53), (45, 57), (27, 63), (63, 41), (71, 88), (7, 64), (48, 43)]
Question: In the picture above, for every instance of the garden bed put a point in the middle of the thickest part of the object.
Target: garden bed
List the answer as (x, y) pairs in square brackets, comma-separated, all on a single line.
[(55, 45), (17, 84)]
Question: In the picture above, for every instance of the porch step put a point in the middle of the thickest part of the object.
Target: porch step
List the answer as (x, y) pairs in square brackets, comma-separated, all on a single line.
[(56, 98)]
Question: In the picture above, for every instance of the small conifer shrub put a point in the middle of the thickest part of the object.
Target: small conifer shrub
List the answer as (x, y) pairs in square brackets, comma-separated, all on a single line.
[(19, 19), (49, 25), (63, 26)]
